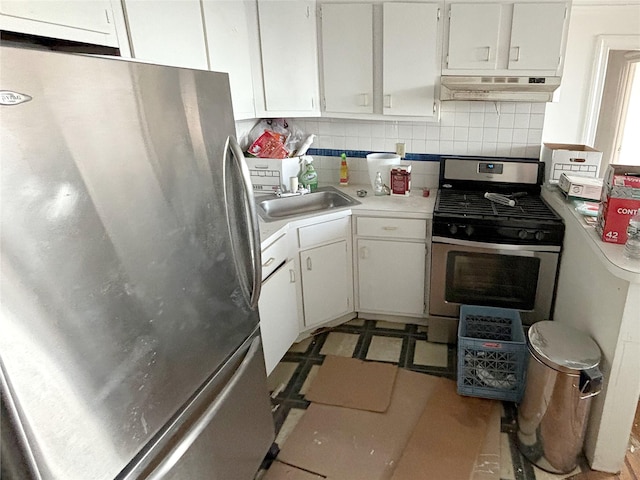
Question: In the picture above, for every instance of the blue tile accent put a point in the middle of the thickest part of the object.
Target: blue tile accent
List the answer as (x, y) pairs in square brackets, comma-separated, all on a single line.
[(421, 157), (332, 152)]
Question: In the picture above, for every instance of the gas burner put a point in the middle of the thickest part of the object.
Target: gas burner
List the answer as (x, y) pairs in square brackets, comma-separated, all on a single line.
[(463, 212)]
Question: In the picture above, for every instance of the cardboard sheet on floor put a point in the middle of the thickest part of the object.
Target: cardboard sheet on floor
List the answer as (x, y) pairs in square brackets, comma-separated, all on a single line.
[(447, 438), (349, 382), (487, 465), (282, 471), (349, 444)]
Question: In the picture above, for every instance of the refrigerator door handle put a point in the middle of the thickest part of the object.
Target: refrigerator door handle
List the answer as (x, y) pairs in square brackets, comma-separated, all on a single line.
[(252, 291), (192, 434)]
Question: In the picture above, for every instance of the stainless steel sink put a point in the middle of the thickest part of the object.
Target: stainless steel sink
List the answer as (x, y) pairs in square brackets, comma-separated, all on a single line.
[(323, 199)]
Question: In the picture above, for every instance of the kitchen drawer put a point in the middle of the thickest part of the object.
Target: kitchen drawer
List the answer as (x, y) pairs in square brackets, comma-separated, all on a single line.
[(274, 255), (392, 227), (324, 232)]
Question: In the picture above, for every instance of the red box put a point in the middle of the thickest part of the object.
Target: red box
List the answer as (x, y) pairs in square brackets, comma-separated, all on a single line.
[(619, 202)]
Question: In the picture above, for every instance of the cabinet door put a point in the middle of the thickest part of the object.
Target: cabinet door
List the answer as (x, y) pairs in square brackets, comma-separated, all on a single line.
[(229, 51), (326, 283), (410, 63), (89, 22), (536, 36), (347, 57), (391, 277), (473, 36), (169, 32), (289, 55), (278, 308)]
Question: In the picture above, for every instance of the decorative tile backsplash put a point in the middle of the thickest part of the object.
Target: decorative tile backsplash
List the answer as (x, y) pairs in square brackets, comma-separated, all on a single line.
[(466, 128)]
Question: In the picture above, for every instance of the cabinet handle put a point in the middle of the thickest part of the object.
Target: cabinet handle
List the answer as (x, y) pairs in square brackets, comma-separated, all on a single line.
[(486, 58), (517, 49), (387, 101), (389, 228), (364, 99), (364, 252), (269, 262), (292, 276), (309, 266)]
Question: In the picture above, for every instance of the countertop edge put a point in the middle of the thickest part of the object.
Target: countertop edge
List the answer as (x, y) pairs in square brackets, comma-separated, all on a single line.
[(412, 206), (609, 254)]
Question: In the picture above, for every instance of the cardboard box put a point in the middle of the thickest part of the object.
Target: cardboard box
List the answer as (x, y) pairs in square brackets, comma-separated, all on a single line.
[(573, 159), (620, 201), (269, 174), (581, 187)]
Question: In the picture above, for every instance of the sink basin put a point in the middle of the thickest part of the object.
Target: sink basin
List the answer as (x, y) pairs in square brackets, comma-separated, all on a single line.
[(323, 199)]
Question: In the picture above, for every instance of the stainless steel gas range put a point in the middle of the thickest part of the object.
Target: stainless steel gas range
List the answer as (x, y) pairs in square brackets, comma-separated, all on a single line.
[(495, 242)]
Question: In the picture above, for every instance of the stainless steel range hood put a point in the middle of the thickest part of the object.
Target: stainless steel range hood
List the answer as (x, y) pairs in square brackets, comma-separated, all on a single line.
[(498, 88)]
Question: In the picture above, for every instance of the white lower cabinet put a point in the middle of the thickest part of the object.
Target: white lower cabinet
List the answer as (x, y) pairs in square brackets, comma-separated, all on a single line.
[(327, 283), (391, 266), (279, 312), (391, 277)]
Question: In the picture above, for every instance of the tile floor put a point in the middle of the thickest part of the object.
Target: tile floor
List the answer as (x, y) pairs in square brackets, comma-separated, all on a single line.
[(405, 345)]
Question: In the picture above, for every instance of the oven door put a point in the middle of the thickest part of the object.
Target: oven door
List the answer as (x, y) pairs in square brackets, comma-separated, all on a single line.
[(521, 277)]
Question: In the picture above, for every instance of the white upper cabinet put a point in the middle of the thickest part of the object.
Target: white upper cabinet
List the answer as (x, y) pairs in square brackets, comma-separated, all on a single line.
[(347, 57), (229, 51), (288, 51), (380, 59), (167, 32), (410, 58), (525, 38), (536, 36), (473, 36), (92, 22)]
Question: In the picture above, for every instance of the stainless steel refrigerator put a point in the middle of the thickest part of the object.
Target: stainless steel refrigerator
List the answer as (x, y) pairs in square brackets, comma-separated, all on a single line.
[(129, 341)]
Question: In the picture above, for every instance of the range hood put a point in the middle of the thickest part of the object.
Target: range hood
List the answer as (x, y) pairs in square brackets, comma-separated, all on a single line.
[(498, 88)]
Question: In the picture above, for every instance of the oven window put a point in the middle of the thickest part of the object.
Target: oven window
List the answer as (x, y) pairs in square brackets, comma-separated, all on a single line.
[(507, 281)]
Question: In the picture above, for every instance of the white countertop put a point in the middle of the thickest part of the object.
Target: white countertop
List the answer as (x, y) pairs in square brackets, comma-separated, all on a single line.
[(412, 206), (609, 253)]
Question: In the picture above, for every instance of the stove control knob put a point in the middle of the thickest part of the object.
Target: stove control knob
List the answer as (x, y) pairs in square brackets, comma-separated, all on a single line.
[(540, 235), (469, 230), (523, 234), (453, 229)]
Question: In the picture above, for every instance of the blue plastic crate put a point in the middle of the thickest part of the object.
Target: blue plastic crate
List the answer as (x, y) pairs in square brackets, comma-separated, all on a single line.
[(492, 353)]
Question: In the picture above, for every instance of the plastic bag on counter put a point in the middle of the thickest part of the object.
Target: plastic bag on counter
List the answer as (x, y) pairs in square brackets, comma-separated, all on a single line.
[(275, 138), (589, 209)]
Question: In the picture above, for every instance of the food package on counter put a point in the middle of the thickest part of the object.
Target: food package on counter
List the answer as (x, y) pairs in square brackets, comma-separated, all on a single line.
[(619, 202), (275, 138), (268, 145)]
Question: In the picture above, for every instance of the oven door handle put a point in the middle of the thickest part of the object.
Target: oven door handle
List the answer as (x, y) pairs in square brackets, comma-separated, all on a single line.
[(497, 246)]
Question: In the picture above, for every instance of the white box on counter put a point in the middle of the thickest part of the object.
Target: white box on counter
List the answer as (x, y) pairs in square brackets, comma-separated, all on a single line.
[(573, 159), (269, 174), (581, 187)]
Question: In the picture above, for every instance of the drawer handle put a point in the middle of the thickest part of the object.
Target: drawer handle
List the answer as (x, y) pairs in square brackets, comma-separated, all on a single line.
[(389, 228), (309, 266), (269, 262)]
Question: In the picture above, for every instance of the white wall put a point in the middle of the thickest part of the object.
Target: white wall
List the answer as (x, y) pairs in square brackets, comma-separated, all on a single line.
[(565, 120)]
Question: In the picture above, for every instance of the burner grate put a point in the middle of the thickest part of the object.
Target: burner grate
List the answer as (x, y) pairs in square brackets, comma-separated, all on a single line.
[(470, 203)]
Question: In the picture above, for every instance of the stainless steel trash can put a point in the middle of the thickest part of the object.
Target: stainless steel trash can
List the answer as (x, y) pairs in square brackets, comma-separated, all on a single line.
[(562, 377)]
